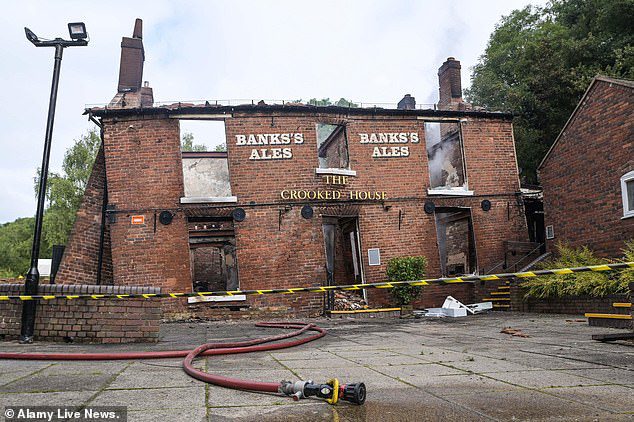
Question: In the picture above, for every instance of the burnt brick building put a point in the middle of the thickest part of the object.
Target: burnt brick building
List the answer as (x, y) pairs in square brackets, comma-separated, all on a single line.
[(588, 174), (304, 196)]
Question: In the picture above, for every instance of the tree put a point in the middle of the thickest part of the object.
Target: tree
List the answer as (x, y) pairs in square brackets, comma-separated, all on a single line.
[(221, 147), (539, 61), (187, 143), (16, 239), (342, 102), (65, 191)]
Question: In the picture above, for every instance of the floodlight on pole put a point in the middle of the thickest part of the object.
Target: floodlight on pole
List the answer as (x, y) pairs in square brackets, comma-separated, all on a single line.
[(79, 38)]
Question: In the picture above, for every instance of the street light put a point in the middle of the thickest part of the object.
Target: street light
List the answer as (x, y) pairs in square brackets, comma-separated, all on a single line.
[(79, 37)]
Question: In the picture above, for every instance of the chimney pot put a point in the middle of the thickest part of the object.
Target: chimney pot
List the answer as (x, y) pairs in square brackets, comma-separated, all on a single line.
[(138, 29)]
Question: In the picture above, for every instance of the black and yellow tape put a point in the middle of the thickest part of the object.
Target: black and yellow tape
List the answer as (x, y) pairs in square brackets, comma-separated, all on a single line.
[(322, 289)]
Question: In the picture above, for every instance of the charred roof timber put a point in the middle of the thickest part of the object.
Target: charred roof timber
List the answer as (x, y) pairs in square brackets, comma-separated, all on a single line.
[(178, 110)]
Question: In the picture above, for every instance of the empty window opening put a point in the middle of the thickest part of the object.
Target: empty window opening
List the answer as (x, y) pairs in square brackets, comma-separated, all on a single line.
[(456, 242), (444, 152), (203, 135), (213, 258), (205, 164), (332, 146), (343, 262)]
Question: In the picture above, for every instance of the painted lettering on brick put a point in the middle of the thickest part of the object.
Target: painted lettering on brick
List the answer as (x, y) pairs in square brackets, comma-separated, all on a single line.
[(389, 138), (268, 139)]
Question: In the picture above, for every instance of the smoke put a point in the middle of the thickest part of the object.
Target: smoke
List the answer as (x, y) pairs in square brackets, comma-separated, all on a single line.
[(444, 155)]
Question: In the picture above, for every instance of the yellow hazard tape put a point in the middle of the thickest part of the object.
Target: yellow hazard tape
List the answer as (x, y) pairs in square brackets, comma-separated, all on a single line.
[(322, 289)]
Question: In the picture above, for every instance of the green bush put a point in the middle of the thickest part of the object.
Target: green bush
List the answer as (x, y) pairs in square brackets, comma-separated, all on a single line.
[(591, 283), (406, 268)]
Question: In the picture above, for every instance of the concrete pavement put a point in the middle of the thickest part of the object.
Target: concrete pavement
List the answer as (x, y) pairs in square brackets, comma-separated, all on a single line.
[(414, 370)]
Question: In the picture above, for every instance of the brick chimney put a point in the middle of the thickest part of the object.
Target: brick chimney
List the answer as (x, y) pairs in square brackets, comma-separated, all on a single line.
[(407, 103), (450, 86), (131, 91)]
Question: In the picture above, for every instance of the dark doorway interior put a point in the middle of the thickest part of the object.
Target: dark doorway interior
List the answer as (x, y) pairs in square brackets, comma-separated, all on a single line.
[(535, 221), (456, 242), (343, 260), (213, 254)]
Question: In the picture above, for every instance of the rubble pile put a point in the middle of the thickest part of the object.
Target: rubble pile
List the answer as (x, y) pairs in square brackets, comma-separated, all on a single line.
[(349, 301)]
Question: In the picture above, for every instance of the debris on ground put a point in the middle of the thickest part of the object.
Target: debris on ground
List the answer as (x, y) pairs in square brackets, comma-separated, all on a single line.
[(514, 332), (349, 301), (452, 307)]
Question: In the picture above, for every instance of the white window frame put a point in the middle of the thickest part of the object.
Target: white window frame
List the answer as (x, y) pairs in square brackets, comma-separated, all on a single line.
[(377, 257), (627, 177), (550, 232)]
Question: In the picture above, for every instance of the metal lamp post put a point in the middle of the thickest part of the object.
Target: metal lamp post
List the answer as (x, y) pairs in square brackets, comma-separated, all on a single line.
[(79, 37)]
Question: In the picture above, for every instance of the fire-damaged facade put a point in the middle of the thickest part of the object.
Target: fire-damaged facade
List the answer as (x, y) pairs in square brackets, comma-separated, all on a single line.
[(304, 196)]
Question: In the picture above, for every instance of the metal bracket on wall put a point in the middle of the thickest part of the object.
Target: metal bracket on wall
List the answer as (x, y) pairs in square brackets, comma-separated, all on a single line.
[(111, 213)]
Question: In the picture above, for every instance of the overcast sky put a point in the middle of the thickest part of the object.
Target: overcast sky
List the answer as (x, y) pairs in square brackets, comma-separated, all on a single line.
[(365, 51)]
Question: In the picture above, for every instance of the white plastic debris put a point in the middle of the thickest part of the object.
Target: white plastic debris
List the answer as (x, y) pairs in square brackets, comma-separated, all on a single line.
[(453, 308)]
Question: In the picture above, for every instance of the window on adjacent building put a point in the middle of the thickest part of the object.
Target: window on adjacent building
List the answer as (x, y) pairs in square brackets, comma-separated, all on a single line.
[(627, 190), (445, 155), (332, 146)]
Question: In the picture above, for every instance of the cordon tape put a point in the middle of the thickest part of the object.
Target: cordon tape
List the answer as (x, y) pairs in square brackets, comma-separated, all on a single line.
[(322, 289)]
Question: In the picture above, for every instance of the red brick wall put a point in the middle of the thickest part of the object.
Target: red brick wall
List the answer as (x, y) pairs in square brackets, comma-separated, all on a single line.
[(145, 176), (292, 254), (581, 176), (84, 320), (80, 263), (276, 247)]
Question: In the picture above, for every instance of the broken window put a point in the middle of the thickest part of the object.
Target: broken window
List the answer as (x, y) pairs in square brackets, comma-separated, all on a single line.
[(332, 146), (444, 152), (205, 162)]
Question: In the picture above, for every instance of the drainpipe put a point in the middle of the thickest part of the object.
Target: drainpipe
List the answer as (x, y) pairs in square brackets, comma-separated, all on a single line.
[(104, 204)]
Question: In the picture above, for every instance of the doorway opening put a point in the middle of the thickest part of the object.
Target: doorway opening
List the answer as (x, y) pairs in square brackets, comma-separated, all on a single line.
[(212, 255), (456, 241), (343, 262)]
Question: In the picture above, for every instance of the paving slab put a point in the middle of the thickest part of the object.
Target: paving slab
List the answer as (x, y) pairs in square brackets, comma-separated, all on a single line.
[(41, 383), (606, 397), (153, 398), (197, 414), (608, 375), (523, 404), (150, 375), (542, 379)]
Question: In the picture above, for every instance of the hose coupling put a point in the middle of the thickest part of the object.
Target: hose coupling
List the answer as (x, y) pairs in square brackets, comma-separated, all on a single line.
[(331, 391)]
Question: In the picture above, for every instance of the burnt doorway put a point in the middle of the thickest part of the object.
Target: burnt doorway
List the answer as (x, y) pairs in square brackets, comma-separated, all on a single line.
[(343, 262), (456, 241), (213, 257)]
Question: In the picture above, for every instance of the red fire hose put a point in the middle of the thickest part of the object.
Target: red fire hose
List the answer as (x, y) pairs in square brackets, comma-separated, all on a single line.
[(330, 391)]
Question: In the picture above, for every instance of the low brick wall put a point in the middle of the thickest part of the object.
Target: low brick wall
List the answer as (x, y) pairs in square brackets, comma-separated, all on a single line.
[(85, 320), (575, 305)]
